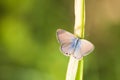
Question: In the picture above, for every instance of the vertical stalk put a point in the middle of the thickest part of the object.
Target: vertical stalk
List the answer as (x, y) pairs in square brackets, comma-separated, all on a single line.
[(79, 18), (79, 30), (73, 67)]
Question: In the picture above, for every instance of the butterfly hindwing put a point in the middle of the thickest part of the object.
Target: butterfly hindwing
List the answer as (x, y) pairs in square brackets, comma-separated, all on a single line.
[(67, 41)]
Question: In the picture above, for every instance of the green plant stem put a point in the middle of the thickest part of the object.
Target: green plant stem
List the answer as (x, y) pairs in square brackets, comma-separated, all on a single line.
[(81, 28), (75, 67)]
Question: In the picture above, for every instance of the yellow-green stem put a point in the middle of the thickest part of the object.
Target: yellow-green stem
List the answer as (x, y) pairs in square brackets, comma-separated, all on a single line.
[(79, 31), (75, 67)]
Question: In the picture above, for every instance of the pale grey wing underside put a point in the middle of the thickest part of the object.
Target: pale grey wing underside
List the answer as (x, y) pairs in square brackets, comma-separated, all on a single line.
[(67, 41), (86, 47), (83, 48)]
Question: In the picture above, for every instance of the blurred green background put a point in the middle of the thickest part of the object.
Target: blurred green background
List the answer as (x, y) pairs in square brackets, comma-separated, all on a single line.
[(29, 49)]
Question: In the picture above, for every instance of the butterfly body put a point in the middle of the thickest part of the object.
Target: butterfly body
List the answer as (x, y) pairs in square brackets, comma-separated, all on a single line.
[(72, 45)]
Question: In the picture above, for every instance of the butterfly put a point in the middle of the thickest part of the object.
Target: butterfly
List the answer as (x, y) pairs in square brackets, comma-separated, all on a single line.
[(72, 45)]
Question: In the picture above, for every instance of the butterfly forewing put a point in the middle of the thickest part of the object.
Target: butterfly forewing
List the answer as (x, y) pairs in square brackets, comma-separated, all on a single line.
[(67, 41)]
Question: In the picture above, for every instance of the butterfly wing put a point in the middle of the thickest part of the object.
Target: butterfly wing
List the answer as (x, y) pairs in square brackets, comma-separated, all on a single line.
[(67, 41), (86, 47), (83, 48)]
